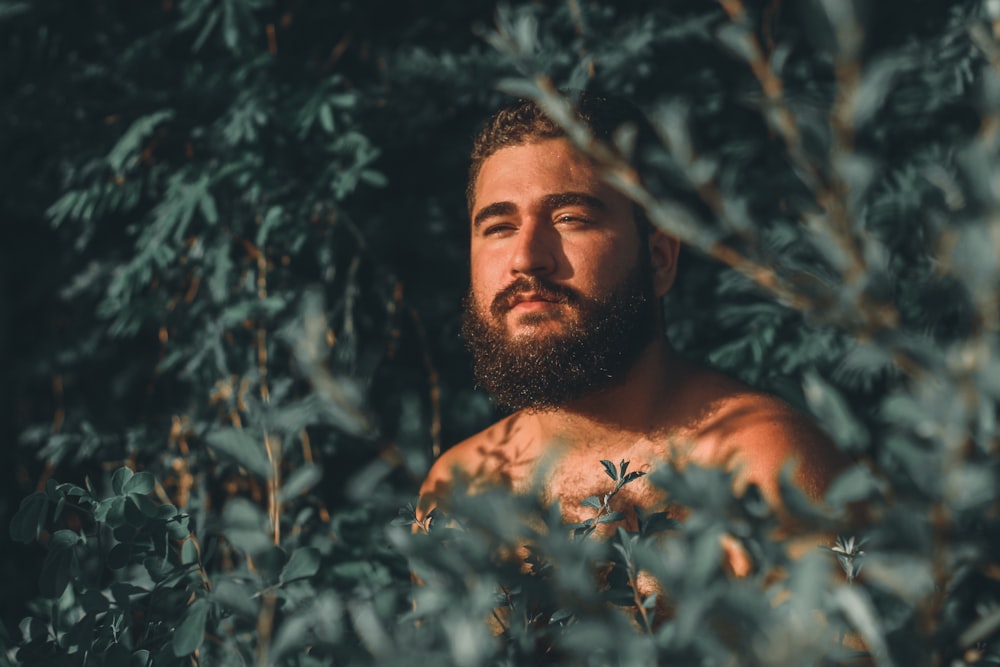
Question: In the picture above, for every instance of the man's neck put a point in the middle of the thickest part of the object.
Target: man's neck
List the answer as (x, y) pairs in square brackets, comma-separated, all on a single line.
[(634, 407)]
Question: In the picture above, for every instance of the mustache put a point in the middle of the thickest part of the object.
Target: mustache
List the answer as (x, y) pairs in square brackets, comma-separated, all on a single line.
[(507, 297)]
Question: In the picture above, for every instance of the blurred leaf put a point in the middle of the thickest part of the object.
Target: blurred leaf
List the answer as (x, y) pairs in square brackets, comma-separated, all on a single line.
[(125, 153), (140, 483), (834, 414), (119, 556), (301, 480), (8, 9), (245, 526), (93, 602), (27, 522), (57, 570), (270, 222), (191, 632), (63, 539), (304, 563), (237, 596), (239, 446), (854, 484)]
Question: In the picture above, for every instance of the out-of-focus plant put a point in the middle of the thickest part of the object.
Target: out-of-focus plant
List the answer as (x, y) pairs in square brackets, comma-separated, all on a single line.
[(266, 336)]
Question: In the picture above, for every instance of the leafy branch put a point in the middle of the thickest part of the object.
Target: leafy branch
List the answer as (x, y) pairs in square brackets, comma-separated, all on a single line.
[(621, 477)]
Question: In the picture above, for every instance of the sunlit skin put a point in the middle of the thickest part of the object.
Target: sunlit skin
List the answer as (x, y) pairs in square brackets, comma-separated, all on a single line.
[(541, 209)]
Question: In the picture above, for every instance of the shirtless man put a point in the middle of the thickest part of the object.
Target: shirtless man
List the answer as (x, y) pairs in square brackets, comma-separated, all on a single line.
[(564, 322)]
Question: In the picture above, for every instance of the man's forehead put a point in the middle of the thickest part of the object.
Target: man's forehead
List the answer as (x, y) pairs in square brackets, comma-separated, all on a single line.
[(541, 169)]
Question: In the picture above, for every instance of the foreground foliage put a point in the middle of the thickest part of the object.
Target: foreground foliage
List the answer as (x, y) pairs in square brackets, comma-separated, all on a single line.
[(261, 206)]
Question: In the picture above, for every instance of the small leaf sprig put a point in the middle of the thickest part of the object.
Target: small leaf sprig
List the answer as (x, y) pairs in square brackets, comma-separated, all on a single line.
[(850, 555), (620, 476)]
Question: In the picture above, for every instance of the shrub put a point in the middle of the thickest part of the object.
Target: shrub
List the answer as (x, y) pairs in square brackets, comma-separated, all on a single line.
[(256, 360)]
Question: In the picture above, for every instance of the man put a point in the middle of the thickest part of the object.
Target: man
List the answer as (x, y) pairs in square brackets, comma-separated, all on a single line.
[(563, 320)]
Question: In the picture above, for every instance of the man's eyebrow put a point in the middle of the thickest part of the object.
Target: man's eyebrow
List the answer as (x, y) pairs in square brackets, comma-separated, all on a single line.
[(550, 202), (495, 209), (561, 199)]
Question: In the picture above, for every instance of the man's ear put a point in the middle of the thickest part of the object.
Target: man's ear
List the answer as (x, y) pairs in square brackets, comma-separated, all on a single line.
[(663, 251)]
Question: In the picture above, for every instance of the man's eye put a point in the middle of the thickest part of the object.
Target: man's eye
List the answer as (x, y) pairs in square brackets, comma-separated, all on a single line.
[(499, 228), (572, 218)]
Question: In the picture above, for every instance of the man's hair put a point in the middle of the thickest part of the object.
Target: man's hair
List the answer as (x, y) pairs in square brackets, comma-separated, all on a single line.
[(523, 122)]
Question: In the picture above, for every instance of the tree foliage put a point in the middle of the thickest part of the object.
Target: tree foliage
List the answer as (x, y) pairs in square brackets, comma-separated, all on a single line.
[(236, 306)]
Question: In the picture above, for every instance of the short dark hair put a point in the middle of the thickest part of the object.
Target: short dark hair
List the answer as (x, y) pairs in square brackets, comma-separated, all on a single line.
[(523, 121)]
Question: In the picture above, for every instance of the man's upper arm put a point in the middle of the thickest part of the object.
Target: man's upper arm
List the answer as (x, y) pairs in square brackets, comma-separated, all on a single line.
[(438, 484)]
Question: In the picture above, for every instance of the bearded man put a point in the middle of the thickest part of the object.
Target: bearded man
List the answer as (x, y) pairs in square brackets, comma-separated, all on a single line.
[(564, 323)]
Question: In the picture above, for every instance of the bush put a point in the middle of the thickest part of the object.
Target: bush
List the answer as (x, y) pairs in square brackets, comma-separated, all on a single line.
[(254, 359)]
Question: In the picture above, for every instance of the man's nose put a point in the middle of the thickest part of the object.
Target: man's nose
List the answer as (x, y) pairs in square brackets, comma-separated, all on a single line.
[(535, 249)]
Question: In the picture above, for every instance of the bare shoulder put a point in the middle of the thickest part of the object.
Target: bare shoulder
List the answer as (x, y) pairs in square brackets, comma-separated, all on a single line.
[(759, 434), (495, 455)]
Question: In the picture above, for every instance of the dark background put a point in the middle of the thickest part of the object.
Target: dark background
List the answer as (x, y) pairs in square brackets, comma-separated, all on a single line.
[(85, 385)]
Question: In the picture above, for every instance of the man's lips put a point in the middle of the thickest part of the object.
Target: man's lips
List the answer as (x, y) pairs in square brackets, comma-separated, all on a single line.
[(530, 298), (531, 303)]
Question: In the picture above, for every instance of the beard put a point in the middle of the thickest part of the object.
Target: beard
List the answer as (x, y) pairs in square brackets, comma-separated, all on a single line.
[(544, 371)]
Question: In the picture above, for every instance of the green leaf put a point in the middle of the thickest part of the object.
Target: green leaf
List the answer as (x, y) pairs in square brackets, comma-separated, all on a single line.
[(119, 556), (609, 468), (93, 602), (133, 515), (632, 476), (179, 528), (63, 539), (27, 522), (122, 593), (125, 153), (189, 552), (73, 491), (33, 629), (119, 478), (591, 501), (166, 512), (9, 9), (191, 632), (245, 526), (303, 564), (245, 450), (301, 480), (115, 514), (63, 207), (238, 597), (611, 516), (141, 658), (57, 570), (270, 222), (158, 568), (230, 31), (102, 509), (326, 118), (149, 508), (834, 413), (142, 482), (854, 484), (206, 204), (373, 178), (206, 30)]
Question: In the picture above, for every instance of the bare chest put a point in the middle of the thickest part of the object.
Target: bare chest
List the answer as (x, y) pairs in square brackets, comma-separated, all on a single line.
[(585, 488)]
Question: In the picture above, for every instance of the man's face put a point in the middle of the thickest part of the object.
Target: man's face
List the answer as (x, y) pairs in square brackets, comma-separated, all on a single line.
[(561, 299)]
